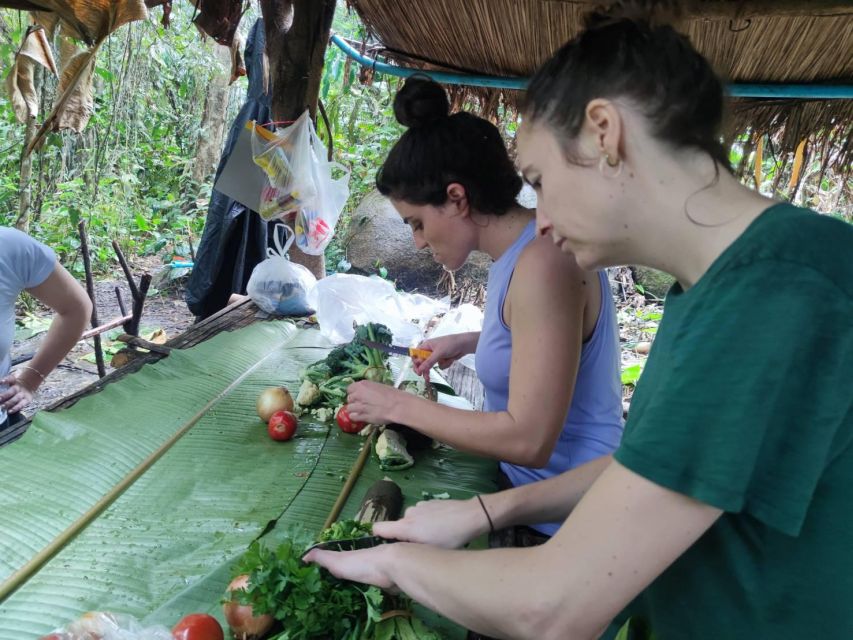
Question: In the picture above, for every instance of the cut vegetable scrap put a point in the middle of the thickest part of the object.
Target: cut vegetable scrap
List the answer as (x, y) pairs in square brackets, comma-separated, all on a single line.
[(391, 451)]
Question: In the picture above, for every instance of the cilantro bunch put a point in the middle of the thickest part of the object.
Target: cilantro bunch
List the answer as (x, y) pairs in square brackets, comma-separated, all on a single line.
[(307, 601)]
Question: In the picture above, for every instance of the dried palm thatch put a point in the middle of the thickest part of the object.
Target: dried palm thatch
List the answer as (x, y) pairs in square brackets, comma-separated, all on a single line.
[(746, 40)]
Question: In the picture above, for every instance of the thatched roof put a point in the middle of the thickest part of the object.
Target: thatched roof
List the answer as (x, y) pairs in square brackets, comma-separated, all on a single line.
[(748, 41)]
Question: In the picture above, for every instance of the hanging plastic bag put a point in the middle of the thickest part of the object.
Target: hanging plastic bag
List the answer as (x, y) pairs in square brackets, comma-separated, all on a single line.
[(277, 285), (301, 180), (286, 157), (317, 219)]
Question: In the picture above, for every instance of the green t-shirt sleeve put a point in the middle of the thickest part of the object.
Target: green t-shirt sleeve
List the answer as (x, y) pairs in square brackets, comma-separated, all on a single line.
[(753, 399)]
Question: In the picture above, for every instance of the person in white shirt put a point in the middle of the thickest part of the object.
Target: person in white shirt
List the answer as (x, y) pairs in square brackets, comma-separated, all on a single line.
[(29, 265)]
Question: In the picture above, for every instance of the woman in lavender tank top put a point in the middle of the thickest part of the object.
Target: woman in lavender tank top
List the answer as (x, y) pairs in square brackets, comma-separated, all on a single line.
[(548, 353)]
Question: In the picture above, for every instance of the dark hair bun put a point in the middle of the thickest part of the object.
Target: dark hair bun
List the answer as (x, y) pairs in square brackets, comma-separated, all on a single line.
[(420, 102)]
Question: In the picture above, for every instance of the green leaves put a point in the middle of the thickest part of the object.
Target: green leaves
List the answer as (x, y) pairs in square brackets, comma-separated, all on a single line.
[(346, 529), (631, 374), (307, 601), (311, 604)]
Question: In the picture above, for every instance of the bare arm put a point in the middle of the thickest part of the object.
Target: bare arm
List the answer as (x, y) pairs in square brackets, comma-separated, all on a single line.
[(547, 297), (623, 534), (446, 350), (453, 523), (63, 294)]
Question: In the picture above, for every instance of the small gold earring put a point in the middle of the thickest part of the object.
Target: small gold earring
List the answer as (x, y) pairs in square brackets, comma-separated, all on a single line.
[(608, 161)]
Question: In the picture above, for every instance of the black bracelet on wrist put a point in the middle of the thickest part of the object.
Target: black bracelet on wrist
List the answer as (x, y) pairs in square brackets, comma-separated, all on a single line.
[(488, 517)]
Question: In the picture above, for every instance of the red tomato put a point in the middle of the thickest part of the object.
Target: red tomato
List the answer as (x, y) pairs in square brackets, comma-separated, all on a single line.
[(347, 424), (282, 425), (198, 626)]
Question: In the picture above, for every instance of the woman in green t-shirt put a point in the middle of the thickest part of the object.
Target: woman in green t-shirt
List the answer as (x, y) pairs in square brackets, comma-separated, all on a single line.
[(725, 513)]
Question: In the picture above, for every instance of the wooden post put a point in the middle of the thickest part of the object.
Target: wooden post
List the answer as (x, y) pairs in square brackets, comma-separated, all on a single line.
[(297, 32), (90, 288), (138, 293)]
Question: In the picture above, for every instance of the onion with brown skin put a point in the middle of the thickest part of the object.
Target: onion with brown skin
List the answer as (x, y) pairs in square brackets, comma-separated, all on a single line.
[(273, 399), (240, 617)]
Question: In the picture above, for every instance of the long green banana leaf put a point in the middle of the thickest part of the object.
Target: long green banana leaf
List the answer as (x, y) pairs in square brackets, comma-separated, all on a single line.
[(166, 546)]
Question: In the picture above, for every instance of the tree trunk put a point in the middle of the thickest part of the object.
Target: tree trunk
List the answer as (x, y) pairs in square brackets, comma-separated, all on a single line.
[(24, 186), (25, 189), (297, 32), (212, 131)]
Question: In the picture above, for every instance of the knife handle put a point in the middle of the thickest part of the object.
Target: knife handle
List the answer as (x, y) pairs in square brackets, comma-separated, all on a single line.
[(423, 354)]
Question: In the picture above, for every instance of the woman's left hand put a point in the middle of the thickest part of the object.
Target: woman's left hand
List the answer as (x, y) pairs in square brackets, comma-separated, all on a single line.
[(365, 566), (372, 402), (16, 397)]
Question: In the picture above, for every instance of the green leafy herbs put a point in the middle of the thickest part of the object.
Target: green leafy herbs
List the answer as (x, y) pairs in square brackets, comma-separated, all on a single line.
[(404, 627), (345, 530), (307, 601), (311, 604), (349, 363)]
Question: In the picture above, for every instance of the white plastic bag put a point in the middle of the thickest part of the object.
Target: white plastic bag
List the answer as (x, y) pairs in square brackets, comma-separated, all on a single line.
[(342, 299), (98, 625), (278, 285), (301, 180), (285, 156), (317, 218)]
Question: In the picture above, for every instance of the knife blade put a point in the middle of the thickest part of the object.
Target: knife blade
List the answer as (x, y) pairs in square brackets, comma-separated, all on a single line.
[(412, 352), (350, 544)]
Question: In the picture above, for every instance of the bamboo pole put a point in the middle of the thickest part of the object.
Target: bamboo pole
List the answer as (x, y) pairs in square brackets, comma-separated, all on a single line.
[(17, 579), (351, 480)]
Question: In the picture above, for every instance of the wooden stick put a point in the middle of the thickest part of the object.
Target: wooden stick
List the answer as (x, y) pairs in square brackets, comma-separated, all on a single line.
[(351, 480), (17, 579), (134, 292), (90, 287), (121, 306), (132, 327), (112, 324), (136, 341)]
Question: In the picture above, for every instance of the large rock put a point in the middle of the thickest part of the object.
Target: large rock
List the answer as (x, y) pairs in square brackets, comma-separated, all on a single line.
[(377, 237), (654, 282)]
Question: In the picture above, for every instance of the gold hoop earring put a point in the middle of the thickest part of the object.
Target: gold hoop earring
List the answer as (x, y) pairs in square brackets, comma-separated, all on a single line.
[(608, 168)]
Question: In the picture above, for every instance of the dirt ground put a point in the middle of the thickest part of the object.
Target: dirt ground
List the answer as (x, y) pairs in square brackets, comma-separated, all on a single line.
[(166, 310)]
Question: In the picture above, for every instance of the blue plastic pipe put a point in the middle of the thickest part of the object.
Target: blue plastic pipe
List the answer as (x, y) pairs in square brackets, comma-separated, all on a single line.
[(778, 91), (439, 76)]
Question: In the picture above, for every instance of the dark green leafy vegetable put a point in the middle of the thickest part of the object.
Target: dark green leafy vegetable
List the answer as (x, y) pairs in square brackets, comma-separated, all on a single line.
[(349, 363)]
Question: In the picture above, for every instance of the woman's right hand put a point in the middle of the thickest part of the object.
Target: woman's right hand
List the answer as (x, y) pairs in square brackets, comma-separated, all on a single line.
[(445, 351), (442, 523)]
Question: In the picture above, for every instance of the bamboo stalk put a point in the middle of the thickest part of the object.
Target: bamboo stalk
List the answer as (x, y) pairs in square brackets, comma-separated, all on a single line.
[(17, 579), (351, 480)]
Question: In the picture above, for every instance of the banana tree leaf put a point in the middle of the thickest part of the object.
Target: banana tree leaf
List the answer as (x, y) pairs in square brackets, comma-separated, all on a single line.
[(166, 546)]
